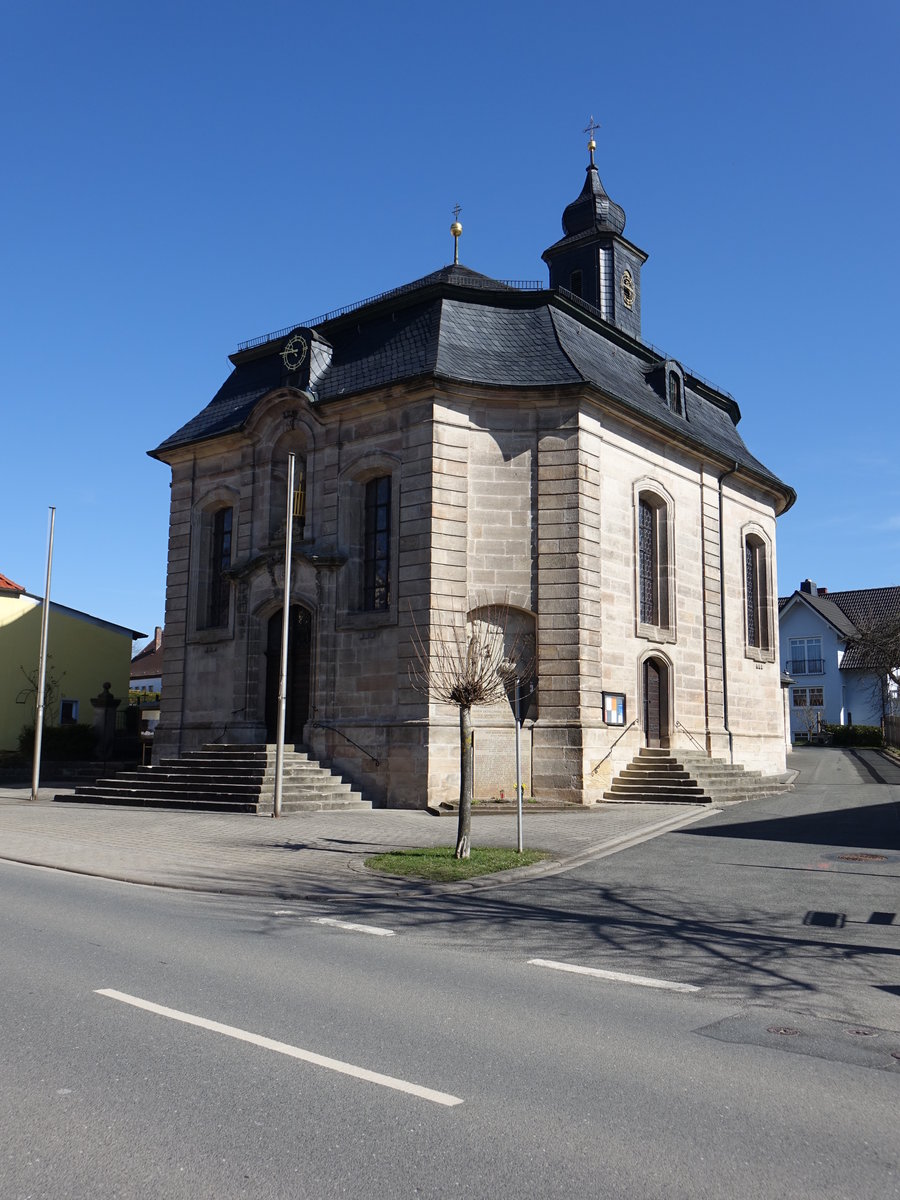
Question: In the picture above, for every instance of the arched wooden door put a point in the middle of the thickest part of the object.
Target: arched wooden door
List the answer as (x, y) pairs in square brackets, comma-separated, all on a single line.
[(298, 673), (655, 687)]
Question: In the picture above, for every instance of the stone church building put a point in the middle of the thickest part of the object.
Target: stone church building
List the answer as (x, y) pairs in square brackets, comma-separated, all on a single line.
[(462, 441)]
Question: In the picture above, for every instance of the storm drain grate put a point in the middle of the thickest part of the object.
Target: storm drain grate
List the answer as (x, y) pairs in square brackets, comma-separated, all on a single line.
[(862, 857)]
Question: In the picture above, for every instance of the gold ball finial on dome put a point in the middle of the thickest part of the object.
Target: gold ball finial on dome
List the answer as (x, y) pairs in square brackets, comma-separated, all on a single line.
[(456, 230)]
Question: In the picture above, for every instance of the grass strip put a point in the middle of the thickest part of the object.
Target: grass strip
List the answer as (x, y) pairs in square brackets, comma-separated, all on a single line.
[(438, 864)]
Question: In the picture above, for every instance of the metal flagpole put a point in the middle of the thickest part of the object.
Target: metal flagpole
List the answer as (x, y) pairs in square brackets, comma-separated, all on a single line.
[(285, 629), (42, 669), (518, 771)]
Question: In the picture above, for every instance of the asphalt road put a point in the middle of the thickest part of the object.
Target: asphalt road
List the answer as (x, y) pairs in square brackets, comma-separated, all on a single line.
[(549, 1083), (790, 902)]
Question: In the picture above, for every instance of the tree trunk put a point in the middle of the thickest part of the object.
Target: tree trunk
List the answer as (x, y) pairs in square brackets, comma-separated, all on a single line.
[(466, 782)]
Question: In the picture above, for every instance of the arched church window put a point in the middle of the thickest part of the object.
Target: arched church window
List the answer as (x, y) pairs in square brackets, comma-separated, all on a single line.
[(756, 593), (218, 586), (653, 561), (278, 495), (368, 526), (377, 545)]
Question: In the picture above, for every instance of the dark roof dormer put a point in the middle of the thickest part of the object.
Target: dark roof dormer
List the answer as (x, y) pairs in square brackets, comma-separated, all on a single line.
[(593, 260)]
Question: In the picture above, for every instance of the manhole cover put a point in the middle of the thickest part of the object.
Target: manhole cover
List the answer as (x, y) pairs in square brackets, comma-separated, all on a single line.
[(784, 1030), (862, 857)]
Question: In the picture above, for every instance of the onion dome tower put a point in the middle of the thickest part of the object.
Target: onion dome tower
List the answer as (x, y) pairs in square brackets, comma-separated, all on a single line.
[(593, 260)]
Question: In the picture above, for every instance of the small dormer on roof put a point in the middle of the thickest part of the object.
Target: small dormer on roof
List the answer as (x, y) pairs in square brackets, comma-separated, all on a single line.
[(593, 261)]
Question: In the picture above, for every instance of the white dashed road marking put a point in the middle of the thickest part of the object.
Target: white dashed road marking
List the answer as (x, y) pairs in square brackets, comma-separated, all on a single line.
[(319, 1060), (615, 976), (374, 929)]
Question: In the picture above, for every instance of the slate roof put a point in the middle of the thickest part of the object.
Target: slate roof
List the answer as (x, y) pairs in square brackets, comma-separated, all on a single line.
[(850, 612), (461, 326)]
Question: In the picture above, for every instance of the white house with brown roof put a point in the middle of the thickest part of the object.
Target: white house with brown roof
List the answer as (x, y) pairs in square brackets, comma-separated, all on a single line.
[(832, 678)]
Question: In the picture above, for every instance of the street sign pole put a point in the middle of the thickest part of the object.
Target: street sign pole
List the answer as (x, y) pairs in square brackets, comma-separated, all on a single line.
[(42, 669), (518, 771), (285, 631)]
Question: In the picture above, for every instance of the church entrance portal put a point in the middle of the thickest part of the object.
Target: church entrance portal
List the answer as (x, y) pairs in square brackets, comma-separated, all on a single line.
[(655, 684), (298, 673)]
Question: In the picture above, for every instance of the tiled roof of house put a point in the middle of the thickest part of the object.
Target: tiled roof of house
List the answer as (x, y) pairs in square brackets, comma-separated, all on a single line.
[(458, 325), (7, 585), (148, 663)]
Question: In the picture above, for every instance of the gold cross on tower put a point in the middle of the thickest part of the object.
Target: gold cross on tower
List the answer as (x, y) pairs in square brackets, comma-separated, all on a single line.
[(591, 128)]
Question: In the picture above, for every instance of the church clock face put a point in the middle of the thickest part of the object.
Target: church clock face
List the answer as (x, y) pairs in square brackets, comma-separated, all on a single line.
[(627, 289), (294, 352)]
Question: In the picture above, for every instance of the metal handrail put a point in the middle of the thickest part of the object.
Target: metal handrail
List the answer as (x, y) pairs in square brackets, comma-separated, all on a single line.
[(594, 770), (678, 725), (340, 733)]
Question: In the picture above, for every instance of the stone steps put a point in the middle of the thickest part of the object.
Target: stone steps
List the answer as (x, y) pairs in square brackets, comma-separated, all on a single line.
[(688, 777), (225, 779)]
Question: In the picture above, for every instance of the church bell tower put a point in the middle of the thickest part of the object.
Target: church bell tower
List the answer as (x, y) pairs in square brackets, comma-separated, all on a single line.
[(593, 260)]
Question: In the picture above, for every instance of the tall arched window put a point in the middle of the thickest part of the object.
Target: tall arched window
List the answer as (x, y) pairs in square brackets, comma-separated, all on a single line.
[(653, 561), (756, 593), (278, 493), (377, 545), (368, 528), (215, 594)]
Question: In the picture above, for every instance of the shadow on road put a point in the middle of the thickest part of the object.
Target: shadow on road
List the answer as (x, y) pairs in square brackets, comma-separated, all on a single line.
[(873, 827), (730, 946)]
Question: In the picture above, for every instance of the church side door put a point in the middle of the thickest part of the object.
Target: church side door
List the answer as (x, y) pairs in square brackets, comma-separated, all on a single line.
[(655, 685), (298, 673)]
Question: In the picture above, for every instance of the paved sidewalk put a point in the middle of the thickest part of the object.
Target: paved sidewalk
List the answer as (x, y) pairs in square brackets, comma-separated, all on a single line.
[(302, 855)]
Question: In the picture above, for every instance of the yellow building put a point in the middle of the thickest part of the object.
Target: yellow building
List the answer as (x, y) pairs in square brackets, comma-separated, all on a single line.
[(83, 653)]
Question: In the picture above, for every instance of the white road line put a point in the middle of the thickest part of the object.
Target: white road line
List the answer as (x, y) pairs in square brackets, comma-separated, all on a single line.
[(349, 925), (617, 976), (319, 1060)]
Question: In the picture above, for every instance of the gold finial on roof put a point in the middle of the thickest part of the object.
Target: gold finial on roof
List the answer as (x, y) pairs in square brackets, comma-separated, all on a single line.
[(591, 127), (456, 230)]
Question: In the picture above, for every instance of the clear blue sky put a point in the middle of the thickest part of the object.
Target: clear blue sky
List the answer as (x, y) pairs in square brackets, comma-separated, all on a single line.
[(179, 177)]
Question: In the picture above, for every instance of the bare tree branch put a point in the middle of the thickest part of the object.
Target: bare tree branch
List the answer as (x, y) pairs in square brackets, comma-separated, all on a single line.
[(468, 660)]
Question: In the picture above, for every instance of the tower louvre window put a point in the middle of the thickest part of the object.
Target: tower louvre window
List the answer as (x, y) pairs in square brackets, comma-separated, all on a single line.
[(606, 282)]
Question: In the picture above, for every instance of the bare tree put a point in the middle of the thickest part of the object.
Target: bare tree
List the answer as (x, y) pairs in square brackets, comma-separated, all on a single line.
[(52, 686), (878, 647), (812, 719), (469, 660)]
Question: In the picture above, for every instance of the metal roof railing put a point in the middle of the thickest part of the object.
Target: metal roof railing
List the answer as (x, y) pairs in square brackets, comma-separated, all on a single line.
[(522, 285), (595, 312)]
